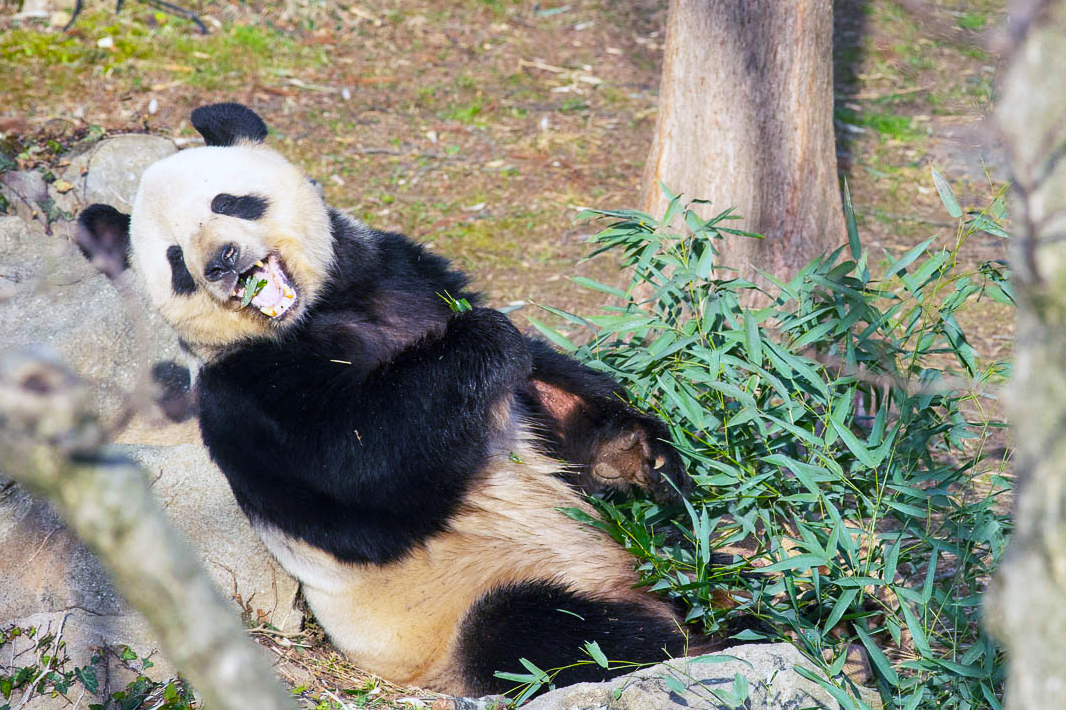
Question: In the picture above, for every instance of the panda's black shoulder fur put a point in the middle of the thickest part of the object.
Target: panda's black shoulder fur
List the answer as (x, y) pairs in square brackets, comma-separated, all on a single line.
[(378, 384)]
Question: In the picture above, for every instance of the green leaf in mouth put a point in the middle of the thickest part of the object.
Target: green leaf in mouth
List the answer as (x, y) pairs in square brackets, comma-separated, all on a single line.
[(252, 286)]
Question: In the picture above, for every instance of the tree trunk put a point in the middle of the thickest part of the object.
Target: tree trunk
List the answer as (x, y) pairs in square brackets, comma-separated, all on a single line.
[(746, 121), (1026, 603)]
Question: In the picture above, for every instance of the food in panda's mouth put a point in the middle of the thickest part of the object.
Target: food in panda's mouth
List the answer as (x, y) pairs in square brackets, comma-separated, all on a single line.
[(250, 288), (267, 287)]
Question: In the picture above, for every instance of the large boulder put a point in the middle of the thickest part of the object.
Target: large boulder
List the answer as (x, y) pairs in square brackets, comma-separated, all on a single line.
[(50, 581), (768, 677), (110, 171), (48, 570), (52, 296)]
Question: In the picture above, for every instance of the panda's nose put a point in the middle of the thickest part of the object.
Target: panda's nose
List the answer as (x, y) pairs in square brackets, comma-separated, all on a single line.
[(223, 263)]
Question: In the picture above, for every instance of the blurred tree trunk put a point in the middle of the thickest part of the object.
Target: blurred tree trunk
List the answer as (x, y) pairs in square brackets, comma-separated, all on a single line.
[(1026, 603), (746, 121), (52, 443)]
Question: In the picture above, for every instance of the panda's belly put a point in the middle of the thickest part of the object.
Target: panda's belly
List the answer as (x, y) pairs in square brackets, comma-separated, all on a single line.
[(402, 620)]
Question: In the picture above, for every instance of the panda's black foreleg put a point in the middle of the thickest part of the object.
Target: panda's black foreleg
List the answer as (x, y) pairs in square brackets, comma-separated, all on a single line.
[(583, 418), (549, 625), (362, 463)]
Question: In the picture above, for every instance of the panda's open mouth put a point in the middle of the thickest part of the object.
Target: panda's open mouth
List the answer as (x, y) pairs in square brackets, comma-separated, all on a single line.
[(267, 287)]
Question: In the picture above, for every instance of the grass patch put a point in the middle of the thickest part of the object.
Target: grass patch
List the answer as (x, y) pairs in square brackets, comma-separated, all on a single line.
[(42, 669), (128, 50), (888, 126), (972, 21), (466, 112), (480, 242)]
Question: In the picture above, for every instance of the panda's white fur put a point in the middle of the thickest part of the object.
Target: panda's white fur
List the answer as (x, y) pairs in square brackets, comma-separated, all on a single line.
[(173, 206)]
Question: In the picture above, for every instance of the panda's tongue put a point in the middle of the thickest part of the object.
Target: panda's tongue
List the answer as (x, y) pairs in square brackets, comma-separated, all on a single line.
[(277, 294)]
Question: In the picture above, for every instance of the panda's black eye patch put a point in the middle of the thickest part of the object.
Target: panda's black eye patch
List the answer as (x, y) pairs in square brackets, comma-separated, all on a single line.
[(244, 207), (180, 278)]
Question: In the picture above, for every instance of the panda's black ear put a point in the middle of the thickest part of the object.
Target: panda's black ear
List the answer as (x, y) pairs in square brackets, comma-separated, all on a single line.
[(225, 124), (103, 235)]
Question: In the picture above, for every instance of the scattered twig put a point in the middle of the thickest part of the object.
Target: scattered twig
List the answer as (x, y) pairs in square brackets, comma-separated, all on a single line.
[(267, 631), (377, 151), (874, 95), (41, 546)]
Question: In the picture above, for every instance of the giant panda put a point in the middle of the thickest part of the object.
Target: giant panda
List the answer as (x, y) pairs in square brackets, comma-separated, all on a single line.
[(405, 460)]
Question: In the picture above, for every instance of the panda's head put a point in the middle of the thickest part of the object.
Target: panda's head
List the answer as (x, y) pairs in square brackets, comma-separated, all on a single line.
[(230, 241)]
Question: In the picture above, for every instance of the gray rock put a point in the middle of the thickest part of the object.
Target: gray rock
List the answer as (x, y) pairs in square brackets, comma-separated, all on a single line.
[(49, 579), (768, 672), (43, 8), (25, 191), (46, 569), (110, 171), (198, 500), (50, 295)]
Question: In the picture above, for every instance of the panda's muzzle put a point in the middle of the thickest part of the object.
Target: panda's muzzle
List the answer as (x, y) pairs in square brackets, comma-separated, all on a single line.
[(223, 266)]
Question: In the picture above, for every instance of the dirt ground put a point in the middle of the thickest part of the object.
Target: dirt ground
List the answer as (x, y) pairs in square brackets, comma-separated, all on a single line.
[(482, 126)]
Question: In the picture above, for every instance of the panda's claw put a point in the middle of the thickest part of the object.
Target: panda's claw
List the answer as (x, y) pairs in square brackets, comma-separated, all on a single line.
[(639, 457)]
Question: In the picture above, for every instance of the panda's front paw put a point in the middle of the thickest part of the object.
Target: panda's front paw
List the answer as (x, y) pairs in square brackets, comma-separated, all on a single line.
[(639, 457), (176, 396)]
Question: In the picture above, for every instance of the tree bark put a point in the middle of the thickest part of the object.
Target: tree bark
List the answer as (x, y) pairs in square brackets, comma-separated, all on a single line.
[(1026, 603), (746, 121)]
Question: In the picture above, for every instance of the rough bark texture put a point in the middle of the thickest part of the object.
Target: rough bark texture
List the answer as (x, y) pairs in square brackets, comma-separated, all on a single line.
[(51, 443), (746, 121), (1026, 604)]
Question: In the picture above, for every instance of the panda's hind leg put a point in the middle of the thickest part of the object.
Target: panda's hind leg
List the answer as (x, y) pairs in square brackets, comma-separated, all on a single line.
[(548, 624)]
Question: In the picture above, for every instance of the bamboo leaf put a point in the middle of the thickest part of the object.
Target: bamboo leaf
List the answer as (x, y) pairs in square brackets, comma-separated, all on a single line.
[(946, 195), (921, 641), (553, 335), (884, 668), (872, 459), (849, 221), (802, 562), (593, 649), (908, 258), (839, 609), (597, 286)]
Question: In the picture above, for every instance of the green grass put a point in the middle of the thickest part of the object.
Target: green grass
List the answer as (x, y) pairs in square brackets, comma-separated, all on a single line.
[(489, 239), (972, 21), (467, 112), (141, 55), (888, 126)]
